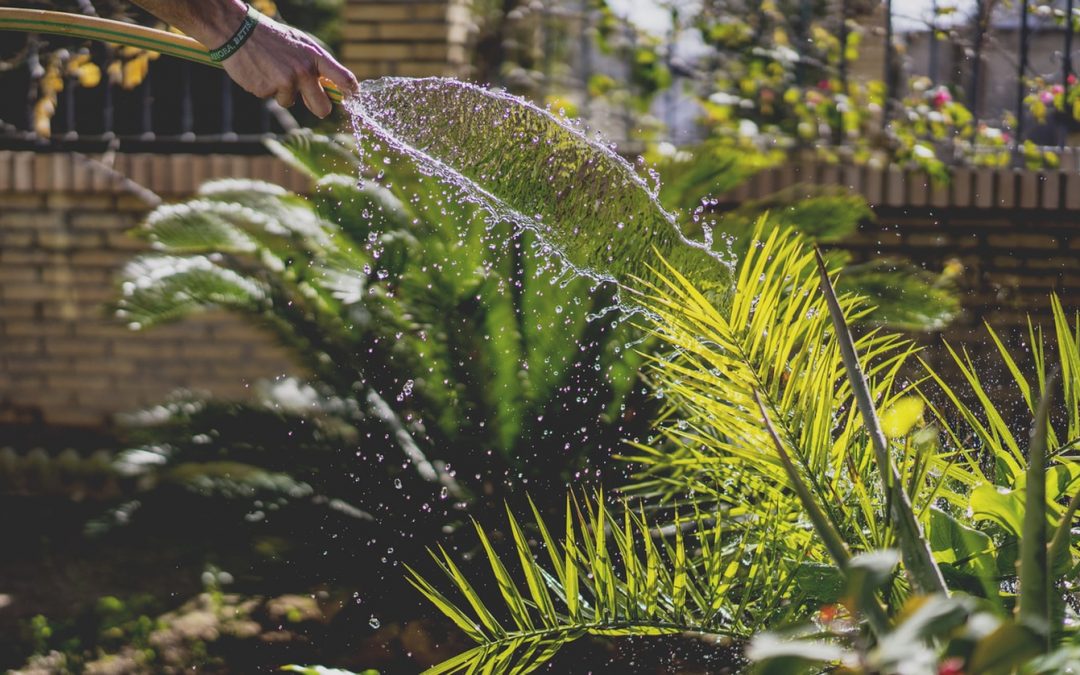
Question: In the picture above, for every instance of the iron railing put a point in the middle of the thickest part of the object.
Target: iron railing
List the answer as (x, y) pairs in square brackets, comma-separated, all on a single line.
[(196, 108), (178, 106), (978, 72)]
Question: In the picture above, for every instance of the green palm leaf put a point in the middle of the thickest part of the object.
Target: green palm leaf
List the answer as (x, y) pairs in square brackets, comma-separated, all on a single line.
[(587, 205), (611, 575), (164, 288)]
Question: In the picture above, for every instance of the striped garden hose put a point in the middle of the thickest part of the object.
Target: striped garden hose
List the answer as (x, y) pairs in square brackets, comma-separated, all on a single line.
[(116, 32)]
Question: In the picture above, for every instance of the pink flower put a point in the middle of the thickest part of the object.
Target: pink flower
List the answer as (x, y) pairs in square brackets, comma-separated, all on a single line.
[(940, 97), (1071, 79), (951, 666), (1046, 97), (1057, 89)]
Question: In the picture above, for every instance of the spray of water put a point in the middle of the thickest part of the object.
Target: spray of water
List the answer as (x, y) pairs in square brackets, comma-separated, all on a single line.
[(525, 166)]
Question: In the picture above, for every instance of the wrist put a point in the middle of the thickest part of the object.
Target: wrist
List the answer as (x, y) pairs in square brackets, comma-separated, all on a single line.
[(219, 22)]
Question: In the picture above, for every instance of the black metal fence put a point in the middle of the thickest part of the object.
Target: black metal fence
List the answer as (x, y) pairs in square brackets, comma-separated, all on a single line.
[(177, 106), (991, 54), (990, 59), (1009, 52)]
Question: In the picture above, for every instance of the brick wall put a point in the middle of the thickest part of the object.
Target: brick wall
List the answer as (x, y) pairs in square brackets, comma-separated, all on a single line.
[(64, 360), (411, 38), (1016, 234)]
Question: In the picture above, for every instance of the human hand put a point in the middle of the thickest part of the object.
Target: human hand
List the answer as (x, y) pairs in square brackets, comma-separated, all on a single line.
[(280, 61), (276, 60)]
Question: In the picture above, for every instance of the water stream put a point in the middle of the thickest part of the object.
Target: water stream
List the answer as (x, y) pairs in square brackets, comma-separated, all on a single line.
[(588, 207)]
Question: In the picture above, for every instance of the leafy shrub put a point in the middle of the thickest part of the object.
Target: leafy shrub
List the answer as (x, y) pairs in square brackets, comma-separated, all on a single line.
[(425, 336), (775, 485)]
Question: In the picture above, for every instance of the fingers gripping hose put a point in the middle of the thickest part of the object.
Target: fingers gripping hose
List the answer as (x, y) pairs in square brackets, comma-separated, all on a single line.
[(116, 32)]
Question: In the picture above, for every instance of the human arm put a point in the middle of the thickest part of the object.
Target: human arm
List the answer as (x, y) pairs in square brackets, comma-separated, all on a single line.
[(277, 61)]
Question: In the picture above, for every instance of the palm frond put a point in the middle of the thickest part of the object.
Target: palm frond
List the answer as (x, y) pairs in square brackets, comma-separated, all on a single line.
[(775, 340), (314, 154), (611, 575), (903, 296), (586, 204), (160, 289)]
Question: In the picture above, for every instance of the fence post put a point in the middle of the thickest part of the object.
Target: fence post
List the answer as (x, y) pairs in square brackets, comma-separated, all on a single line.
[(981, 18), (843, 44), (934, 47), (187, 107), (147, 103), (1067, 71), (1021, 88), (890, 90), (226, 106)]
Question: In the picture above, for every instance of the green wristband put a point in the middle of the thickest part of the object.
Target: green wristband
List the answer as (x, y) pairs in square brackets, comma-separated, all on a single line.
[(251, 19)]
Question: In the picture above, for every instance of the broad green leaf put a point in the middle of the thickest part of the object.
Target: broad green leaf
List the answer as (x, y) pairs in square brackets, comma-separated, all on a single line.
[(964, 548), (523, 164), (925, 619), (865, 575), (1000, 506), (1000, 652), (823, 584), (158, 289), (1064, 659), (774, 654), (314, 155)]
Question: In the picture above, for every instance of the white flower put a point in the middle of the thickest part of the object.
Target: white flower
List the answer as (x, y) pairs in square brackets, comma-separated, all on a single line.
[(923, 152), (748, 128)]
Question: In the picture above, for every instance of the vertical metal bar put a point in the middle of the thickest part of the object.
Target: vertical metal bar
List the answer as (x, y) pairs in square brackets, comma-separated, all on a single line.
[(70, 82), (843, 44), (890, 91), (1021, 87), (981, 16), (586, 58), (37, 71), (108, 106), (187, 106), (934, 47), (226, 106), (147, 107), (1067, 73), (802, 41)]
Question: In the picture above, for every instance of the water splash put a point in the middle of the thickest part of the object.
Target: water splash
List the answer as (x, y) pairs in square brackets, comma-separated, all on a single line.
[(587, 205)]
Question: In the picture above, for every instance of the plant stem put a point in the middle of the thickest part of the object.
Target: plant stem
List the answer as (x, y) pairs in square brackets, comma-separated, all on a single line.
[(914, 548), (834, 543), (1033, 604)]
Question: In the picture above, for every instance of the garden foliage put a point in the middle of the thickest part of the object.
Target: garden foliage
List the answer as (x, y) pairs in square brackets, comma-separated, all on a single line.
[(794, 467), (443, 315), (428, 340)]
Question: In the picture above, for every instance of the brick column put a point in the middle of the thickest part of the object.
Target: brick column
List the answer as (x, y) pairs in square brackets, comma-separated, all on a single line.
[(411, 38)]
